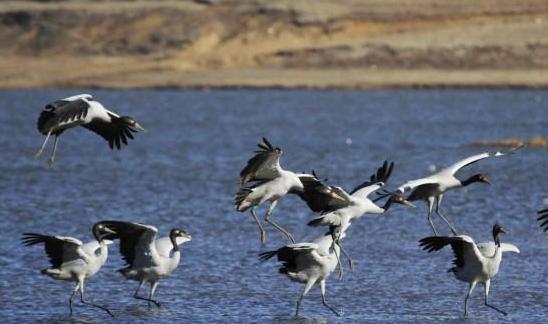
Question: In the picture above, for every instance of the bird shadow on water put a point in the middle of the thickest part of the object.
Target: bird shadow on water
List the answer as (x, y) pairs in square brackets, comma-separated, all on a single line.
[(71, 319), (143, 311), (304, 319), (472, 319)]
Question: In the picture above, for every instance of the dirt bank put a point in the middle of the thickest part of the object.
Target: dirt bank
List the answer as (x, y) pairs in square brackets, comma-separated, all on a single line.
[(288, 43)]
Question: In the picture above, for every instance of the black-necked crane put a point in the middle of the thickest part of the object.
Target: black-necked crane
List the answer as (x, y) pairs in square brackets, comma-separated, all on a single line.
[(309, 263), (473, 263), (270, 183), (341, 209), (433, 187), (149, 259), (72, 260), (83, 110)]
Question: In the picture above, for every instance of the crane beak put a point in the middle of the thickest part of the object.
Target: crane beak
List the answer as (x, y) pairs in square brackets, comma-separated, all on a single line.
[(186, 236), (139, 127), (108, 230), (334, 194), (408, 203)]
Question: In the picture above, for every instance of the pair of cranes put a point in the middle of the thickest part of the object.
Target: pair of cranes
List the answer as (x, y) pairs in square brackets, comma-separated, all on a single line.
[(148, 258), (312, 263)]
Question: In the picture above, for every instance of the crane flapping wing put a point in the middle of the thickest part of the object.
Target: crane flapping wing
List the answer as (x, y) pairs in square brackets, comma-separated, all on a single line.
[(487, 249), (330, 219), (264, 165), (64, 111), (454, 168), (409, 185), (59, 249), (375, 182), (319, 197), (293, 257), (113, 133), (464, 248), (136, 242)]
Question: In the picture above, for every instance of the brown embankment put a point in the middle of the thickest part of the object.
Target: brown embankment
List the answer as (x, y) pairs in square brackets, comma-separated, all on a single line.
[(286, 43)]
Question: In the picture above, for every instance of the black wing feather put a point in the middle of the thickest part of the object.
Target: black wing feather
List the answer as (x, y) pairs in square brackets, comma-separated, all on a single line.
[(61, 111), (319, 197), (111, 131), (543, 219), (265, 155), (52, 245), (436, 243), (382, 175), (129, 236), (287, 255)]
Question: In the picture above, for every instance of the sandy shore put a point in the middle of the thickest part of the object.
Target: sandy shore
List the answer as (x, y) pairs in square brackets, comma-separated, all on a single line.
[(319, 44), (119, 75)]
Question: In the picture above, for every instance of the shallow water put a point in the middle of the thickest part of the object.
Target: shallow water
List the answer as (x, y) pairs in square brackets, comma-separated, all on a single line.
[(184, 171)]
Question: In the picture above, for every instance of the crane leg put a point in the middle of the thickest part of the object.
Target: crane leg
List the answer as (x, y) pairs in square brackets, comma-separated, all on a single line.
[(267, 219), (438, 211), (72, 295), (136, 295), (53, 152), (85, 302), (470, 289), (350, 261), (307, 288), (324, 301), (486, 290), (41, 150), (341, 269), (430, 205), (153, 287), (261, 228)]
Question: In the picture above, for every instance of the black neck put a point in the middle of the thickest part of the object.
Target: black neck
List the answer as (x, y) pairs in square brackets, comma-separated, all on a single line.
[(468, 181), (497, 240), (97, 237), (174, 242), (496, 233)]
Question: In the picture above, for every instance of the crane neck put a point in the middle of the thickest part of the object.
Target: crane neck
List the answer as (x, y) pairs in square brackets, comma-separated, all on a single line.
[(470, 180), (174, 243), (387, 204)]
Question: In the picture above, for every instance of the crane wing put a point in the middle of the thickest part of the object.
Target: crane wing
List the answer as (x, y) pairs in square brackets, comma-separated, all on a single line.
[(454, 168), (319, 197), (63, 111), (114, 133), (293, 257), (136, 242), (412, 184), (487, 249), (464, 248), (264, 165), (59, 249), (376, 181), (327, 219)]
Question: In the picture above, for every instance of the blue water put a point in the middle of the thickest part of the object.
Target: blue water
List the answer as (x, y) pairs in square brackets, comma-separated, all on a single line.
[(184, 171)]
